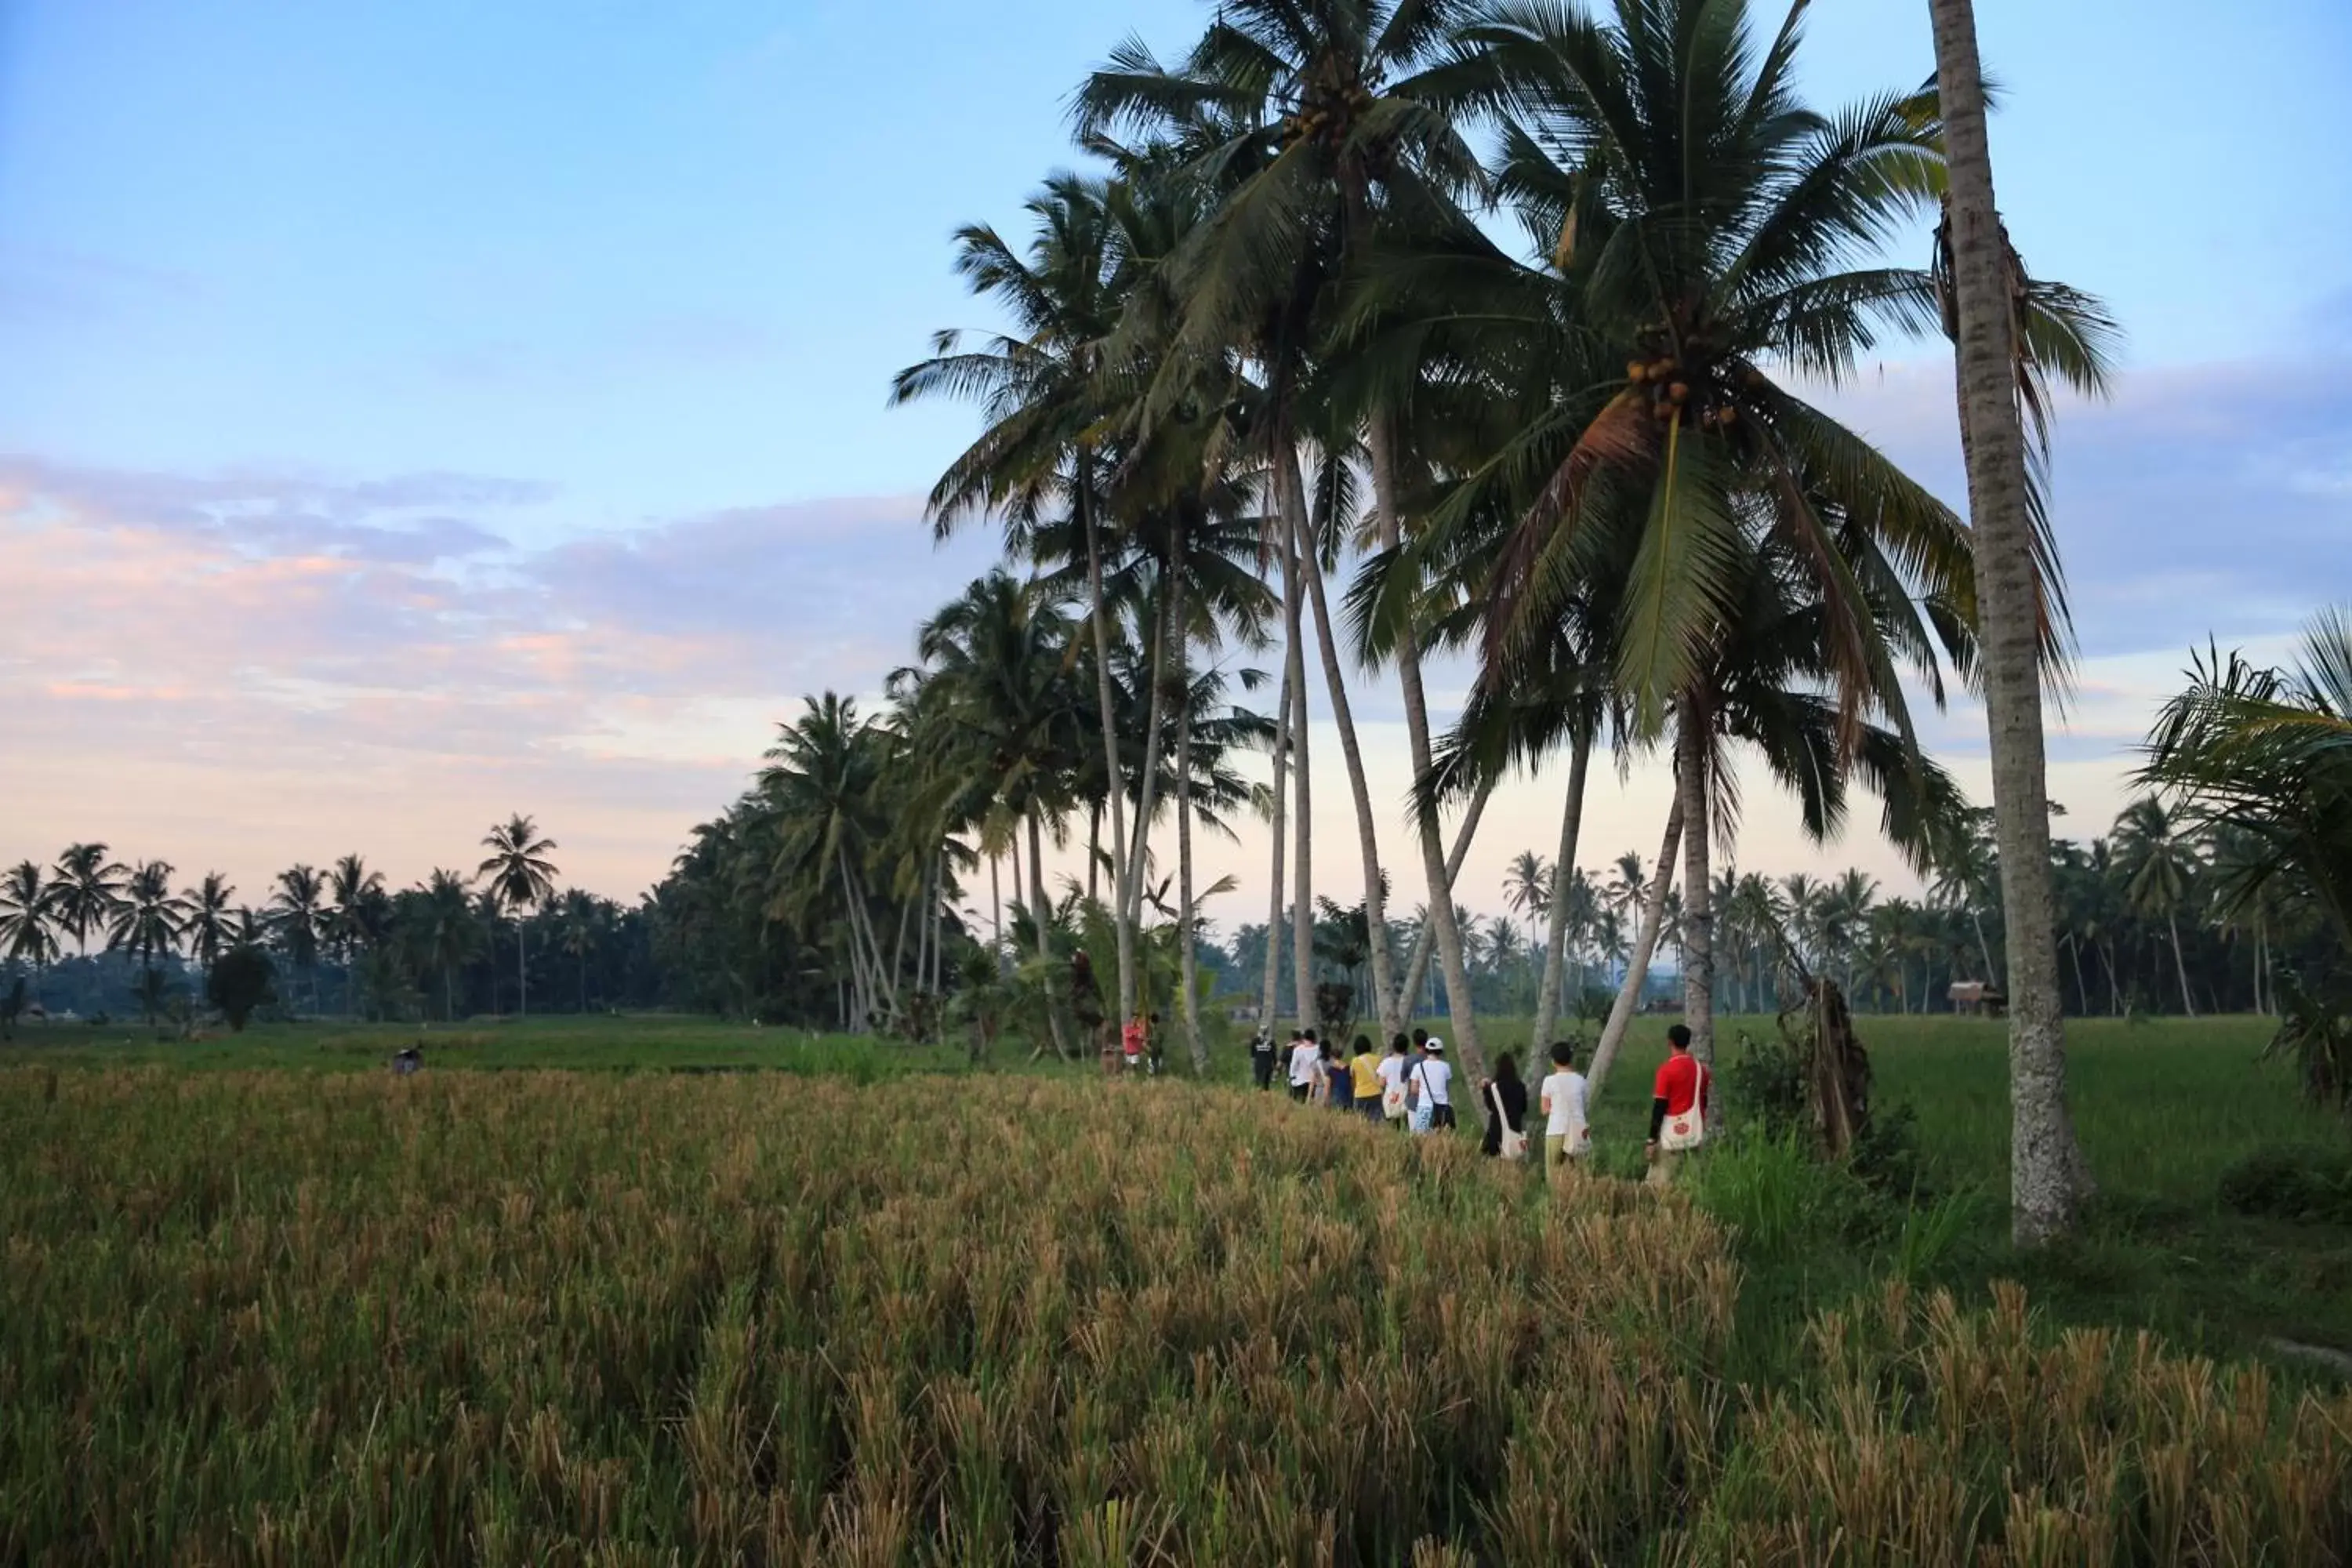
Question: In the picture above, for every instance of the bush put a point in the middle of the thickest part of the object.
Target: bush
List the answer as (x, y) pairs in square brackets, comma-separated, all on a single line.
[(240, 983), (2299, 1183)]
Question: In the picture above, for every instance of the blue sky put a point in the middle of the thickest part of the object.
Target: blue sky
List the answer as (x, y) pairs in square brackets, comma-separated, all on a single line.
[(590, 307)]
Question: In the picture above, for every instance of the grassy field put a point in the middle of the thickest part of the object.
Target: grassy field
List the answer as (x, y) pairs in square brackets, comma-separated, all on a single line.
[(718, 1293), (563, 1318)]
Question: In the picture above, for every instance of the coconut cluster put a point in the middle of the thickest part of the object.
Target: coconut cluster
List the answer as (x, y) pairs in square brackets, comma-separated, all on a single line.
[(1680, 392)]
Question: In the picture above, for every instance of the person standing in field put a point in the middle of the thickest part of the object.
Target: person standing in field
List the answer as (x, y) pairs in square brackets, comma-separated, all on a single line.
[(1339, 1093), (1303, 1054), (1364, 1079), (1429, 1088), (1679, 1103), (1262, 1058), (1393, 1101), (1505, 1097), (1130, 1039), (1154, 1049), (1561, 1099)]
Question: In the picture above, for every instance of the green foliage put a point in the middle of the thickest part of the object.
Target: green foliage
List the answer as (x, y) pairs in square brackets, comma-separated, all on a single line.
[(240, 983), (2293, 1181), (2315, 1033)]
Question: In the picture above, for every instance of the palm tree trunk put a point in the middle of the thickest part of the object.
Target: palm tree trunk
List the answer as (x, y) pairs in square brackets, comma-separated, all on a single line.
[(1273, 979), (2181, 964), (522, 974), (1563, 878), (1042, 911), (1698, 886), (2047, 1177), (1099, 614), (1302, 896), (996, 907), (1465, 1016), (1188, 960), (1416, 969), (1094, 851), (1387, 1002), (1637, 963), (1148, 799)]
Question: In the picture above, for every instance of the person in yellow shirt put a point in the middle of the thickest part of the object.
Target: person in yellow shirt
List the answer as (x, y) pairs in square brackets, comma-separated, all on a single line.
[(1365, 1069)]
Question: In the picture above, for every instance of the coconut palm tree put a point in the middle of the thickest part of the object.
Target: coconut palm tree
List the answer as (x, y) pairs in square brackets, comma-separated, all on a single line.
[(1041, 387), (87, 888), (28, 920), (520, 877), (2161, 864), (359, 916), (437, 922), (1306, 118), (146, 924), (209, 921), (1985, 322), (2266, 755), (1709, 229), (297, 913)]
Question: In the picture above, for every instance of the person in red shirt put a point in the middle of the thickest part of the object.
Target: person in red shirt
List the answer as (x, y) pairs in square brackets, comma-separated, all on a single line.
[(1681, 1094)]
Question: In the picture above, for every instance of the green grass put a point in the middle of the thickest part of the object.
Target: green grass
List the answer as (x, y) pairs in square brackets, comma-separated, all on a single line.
[(596, 1043), (2163, 1107)]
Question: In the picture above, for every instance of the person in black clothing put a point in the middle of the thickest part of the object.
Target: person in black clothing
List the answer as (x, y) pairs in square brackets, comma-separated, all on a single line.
[(1507, 1089), (1262, 1058)]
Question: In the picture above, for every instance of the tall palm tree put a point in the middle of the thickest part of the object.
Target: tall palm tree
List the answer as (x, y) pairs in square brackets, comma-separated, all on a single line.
[(582, 927), (1710, 228), (28, 920), (209, 921), (88, 887), (1041, 388), (146, 924), (1306, 118), (2046, 1171), (2161, 864), (521, 878), (297, 912)]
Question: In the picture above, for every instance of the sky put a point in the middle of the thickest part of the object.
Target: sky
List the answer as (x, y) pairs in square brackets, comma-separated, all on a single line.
[(415, 411)]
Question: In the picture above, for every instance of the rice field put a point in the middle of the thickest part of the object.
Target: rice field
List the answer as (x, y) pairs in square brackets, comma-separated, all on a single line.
[(567, 1318)]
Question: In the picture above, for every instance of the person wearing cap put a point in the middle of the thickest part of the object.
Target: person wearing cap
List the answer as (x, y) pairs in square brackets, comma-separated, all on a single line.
[(1429, 1088)]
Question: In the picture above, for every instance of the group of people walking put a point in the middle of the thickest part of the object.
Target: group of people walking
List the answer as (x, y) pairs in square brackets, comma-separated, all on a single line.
[(1411, 1085)]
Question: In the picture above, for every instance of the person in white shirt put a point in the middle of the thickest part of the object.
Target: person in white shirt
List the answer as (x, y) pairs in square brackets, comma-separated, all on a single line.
[(1565, 1134), (1430, 1087), (1306, 1060)]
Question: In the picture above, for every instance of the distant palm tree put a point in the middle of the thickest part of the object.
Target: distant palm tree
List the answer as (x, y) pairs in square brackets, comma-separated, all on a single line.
[(2160, 864), (1527, 883), (438, 917), (297, 912), (146, 924), (521, 878), (583, 925), (360, 916), (89, 888), (208, 923), (28, 920)]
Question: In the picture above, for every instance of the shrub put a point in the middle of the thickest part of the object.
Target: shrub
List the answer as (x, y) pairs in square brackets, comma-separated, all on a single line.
[(240, 983), (2300, 1184)]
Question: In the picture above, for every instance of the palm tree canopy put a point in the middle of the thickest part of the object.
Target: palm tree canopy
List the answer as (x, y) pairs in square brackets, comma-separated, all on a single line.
[(519, 874)]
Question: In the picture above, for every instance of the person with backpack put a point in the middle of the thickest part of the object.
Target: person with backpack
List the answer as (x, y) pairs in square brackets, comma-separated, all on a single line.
[(1505, 1097), (1679, 1107), (1561, 1098), (1429, 1088)]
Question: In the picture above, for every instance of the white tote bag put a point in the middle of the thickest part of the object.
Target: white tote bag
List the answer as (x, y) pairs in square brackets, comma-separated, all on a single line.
[(1515, 1144), (1688, 1131)]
